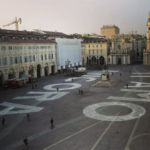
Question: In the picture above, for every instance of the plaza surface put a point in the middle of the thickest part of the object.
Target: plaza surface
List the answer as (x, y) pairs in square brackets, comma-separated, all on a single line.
[(114, 118)]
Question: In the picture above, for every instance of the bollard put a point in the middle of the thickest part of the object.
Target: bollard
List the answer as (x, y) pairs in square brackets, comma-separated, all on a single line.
[(127, 86)]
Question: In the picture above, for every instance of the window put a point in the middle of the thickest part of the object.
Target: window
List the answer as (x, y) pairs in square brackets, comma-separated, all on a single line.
[(108, 59), (52, 56), (49, 47), (93, 52), (89, 45), (33, 57), (15, 60), (29, 47), (89, 51), (97, 51), (37, 47), (49, 56), (101, 52), (24, 47), (45, 56), (4, 61), (30, 58), (25, 59), (10, 47), (41, 57), (11, 60), (20, 47), (97, 45)]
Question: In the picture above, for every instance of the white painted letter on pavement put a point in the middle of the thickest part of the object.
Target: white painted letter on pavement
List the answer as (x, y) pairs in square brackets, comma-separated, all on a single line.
[(26, 108), (64, 86), (45, 96), (137, 111)]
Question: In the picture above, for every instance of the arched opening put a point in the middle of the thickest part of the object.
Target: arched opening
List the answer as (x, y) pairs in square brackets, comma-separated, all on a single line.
[(21, 72), (53, 69), (46, 70), (1, 78), (11, 74), (119, 62), (30, 72), (38, 70), (102, 60)]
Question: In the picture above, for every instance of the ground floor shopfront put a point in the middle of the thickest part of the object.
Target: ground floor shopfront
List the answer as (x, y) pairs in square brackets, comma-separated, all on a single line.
[(36, 70)]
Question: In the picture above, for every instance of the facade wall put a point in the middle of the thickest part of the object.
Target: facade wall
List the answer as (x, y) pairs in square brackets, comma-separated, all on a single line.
[(97, 50), (146, 52), (109, 31), (17, 59), (68, 53), (83, 54)]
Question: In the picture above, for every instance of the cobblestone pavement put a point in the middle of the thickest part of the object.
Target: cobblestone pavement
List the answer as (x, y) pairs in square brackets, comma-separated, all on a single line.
[(113, 118)]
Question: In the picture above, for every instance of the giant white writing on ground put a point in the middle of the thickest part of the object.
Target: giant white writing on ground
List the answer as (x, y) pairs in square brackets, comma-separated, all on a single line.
[(137, 111), (24, 108)]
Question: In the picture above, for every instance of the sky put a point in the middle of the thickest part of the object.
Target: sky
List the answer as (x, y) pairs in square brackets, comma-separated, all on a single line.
[(76, 16)]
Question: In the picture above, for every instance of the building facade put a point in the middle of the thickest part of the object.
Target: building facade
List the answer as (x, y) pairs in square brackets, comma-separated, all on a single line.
[(96, 51), (23, 52), (146, 52), (122, 50), (109, 30)]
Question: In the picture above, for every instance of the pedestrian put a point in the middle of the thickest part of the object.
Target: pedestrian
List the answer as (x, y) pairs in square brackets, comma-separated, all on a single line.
[(120, 74), (127, 86), (3, 122), (28, 117), (32, 86), (57, 89), (72, 79), (36, 86), (25, 141), (52, 123), (112, 73)]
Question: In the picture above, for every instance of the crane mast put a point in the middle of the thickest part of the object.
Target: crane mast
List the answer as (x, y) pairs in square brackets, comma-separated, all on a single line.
[(14, 22)]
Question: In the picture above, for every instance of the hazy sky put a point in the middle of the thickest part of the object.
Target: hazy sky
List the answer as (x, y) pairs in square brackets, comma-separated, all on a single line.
[(76, 16)]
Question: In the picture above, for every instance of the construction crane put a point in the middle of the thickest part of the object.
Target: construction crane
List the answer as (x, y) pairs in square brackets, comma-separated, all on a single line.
[(14, 21)]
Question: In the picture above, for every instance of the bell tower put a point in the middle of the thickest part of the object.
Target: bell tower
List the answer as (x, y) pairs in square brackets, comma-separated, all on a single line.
[(148, 33), (146, 53)]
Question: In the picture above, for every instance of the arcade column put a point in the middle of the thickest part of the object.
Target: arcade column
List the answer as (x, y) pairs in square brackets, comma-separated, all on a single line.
[(35, 72), (42, 72)]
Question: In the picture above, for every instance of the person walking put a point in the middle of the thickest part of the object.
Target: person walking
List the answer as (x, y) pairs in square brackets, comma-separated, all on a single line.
[(57, 89), (36, 86), (3, 122), (112, 73), (28, 117), (127, 86), (120, 74), (52, 123), (26, 141)]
